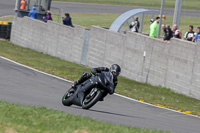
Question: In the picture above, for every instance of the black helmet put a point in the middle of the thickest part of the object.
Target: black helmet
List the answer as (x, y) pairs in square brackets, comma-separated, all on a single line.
[(115, 68)]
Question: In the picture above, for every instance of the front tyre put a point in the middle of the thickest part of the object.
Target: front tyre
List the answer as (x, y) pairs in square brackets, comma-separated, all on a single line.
[(92, 98), (66, 98)]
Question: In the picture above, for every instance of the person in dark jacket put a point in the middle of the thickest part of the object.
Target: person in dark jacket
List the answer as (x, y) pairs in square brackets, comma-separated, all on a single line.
[(33, 13), (167, 32), (67, 20), (48, 16), (114, 69)]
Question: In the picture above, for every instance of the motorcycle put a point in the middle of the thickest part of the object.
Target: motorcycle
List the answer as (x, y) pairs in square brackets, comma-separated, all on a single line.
[(90, 91)]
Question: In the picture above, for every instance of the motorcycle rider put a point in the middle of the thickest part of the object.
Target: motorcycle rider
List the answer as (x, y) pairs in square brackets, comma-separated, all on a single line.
[(114, 69)]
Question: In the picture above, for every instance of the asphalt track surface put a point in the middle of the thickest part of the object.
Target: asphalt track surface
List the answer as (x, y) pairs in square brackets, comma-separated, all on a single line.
[(22, 85), (7, 8)]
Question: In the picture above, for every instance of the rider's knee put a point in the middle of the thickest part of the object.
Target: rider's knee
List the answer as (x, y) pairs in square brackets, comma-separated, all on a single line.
[(86, 75)]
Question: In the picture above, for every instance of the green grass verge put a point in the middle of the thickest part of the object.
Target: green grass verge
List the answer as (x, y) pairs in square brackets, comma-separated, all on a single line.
[(22, 119), (8, 19), (187, 4), (72, 71), (88, 19)]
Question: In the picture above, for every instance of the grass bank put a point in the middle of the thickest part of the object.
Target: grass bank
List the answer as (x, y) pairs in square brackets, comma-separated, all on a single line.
[(71, 71), (22, 119), (187, 4)]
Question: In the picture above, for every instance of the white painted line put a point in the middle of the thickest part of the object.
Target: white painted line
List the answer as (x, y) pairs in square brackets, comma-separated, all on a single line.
[(114, 93)]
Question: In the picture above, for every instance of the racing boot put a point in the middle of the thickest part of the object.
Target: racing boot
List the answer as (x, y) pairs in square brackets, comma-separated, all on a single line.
[(74, 86)]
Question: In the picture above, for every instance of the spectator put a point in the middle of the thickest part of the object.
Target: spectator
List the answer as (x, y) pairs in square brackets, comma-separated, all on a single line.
[(198, 34), (33, 13), (67, 20), (190, 35), (154, 28), (48, 16), (167, 32), (23, 4), (176, 33), (135, 25)]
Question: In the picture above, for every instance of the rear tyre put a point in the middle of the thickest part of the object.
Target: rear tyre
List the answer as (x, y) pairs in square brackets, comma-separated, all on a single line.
[(92, 98), (66, 98)]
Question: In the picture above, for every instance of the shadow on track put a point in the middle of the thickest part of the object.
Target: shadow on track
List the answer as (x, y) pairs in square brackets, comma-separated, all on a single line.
[(106, 112)]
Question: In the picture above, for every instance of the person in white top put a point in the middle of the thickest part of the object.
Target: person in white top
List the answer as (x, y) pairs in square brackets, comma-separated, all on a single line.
[(135, 25), (190, 35)]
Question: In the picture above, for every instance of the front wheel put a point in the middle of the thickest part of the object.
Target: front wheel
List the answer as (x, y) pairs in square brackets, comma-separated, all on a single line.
[(92, 98), (66, 98)]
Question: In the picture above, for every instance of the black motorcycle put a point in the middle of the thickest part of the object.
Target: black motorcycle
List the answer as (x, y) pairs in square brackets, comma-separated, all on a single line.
[(90, 92)]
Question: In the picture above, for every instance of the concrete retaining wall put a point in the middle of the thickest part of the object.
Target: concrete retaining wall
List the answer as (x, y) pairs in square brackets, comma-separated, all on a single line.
[(144, 59), (50, 38), (148, 60)]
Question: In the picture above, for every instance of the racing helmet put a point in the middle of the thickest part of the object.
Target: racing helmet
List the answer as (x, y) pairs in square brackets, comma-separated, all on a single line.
[(116, 69)]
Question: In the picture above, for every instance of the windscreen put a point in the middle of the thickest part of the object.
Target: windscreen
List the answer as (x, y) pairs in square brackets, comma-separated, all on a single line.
[(109, 76)]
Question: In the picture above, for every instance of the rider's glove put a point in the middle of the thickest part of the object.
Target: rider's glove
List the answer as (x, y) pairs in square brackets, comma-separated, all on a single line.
[(110, 90)]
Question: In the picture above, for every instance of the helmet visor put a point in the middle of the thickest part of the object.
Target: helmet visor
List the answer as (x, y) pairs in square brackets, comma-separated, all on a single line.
[(115, 74)]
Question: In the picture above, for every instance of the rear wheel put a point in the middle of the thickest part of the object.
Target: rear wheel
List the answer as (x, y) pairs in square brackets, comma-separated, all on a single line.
[(66, 98), (92, 98)]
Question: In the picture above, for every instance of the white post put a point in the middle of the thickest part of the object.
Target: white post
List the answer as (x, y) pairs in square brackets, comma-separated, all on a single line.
[(141, 25), (177, 12), (161, 14), (16, 5)]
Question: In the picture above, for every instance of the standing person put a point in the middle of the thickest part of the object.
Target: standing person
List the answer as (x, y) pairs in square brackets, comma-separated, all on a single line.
[(135, 25), (154, 27), (67, 20), (167, 32), (33, 13), (189, 36), (151, 22), (48, 16), (176, 33), (23, 4), (198, 34)]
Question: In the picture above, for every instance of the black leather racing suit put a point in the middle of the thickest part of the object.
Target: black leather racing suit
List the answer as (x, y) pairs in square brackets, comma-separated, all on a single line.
[(85, 76), (167, 33)]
